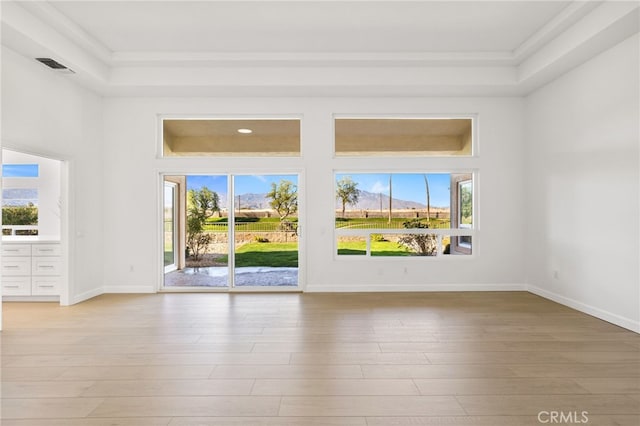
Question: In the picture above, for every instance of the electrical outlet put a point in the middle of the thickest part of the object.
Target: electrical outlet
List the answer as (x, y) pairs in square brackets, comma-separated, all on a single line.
[(555, 274)]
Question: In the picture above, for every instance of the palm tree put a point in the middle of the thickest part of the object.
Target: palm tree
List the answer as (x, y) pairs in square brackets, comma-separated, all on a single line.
[(347, 191), (426, 183)]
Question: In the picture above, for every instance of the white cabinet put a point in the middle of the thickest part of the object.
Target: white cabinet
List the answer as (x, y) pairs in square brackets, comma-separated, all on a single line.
[(31, 269)]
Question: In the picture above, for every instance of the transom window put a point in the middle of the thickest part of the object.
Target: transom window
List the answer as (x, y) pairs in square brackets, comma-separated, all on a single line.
[(230, 137), (404, 136)]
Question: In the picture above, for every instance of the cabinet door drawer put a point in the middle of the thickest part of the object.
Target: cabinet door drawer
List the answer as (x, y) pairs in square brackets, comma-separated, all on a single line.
[(45, 286), (16, 286), (43, 266), (46, 250), (16, 249), (16, 266)]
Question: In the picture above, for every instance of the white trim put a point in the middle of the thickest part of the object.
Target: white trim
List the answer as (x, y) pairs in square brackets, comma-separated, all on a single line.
[(87, 295), (174, 219), (382, 288), (30, 298), (616, 319), (231, 231)]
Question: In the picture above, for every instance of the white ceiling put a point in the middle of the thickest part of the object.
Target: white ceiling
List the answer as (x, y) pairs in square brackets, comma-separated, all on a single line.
[(316, 48), (242, 26)]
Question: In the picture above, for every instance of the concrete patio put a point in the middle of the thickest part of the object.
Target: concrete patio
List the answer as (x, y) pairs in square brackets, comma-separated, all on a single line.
[(217, 276)]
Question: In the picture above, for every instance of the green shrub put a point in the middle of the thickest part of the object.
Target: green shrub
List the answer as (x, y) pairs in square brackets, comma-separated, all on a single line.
[(422, 244), (20, 215)]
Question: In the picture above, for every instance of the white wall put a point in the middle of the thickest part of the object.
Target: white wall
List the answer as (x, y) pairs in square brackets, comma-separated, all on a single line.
[(582, 143), (131, 184), (48, 185), (47, 114)]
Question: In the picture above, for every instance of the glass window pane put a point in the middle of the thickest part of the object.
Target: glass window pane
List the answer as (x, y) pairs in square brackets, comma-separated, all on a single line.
[(465, 201), (388, 245), (20, 211), (393, 200), (266, 230), (20, 170), (351, 246), (456, 245)]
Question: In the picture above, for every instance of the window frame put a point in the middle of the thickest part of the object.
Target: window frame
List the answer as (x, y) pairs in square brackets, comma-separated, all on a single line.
[(465, 253)]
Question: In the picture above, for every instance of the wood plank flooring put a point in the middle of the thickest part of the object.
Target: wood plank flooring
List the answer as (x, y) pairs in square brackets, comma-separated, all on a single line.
[(314, 359)]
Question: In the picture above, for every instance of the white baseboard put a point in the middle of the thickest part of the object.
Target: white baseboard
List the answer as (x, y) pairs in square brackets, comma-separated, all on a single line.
[(616, 319), (409, 288), (87, 295), (30, 298), (129, 289)]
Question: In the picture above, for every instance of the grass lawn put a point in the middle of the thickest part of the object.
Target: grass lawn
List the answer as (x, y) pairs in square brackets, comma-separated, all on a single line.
[(378, 248), (267, 254), (168, 258)]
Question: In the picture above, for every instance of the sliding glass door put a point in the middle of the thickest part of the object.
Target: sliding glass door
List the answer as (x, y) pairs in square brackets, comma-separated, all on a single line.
[(231, 231), (265, 231)]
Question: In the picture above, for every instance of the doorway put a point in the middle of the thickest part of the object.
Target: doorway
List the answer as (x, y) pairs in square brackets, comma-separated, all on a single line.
[(170, 223), (34, 246), (230, 231)]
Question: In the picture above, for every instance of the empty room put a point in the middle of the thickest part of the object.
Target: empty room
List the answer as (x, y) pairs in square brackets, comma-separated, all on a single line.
[(298, 213)]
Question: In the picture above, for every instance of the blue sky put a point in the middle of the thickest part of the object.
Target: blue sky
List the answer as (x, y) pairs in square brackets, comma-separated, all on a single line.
[(244, 184), (406, 186), (20, 170)]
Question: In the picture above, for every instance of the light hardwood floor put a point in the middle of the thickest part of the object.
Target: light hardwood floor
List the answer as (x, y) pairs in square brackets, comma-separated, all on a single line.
[(314, 359)]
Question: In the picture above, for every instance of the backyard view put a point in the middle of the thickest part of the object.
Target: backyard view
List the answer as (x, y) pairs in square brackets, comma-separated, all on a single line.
[(401, 201), (265, 239), (378, 215), (19, 202)]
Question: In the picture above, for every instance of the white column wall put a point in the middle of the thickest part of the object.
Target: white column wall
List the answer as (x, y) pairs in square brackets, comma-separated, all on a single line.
[(583, 216), (132, 261), (48, 114)]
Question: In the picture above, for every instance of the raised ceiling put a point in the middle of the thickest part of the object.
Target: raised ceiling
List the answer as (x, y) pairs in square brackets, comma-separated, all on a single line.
[(316, 48), (242, 26)]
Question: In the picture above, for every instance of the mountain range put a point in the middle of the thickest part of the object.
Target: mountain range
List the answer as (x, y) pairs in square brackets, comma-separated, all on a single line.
[(366, 201)]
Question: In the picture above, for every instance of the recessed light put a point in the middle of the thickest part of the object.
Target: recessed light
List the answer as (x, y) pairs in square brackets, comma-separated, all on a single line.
[(245, 131)]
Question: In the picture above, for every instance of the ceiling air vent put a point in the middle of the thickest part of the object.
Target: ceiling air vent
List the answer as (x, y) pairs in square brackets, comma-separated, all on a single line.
[(54, 64)]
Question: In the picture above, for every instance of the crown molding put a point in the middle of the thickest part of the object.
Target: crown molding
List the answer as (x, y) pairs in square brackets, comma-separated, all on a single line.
[(575, 11), (578, 32), (270, 59), (45, 11)]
